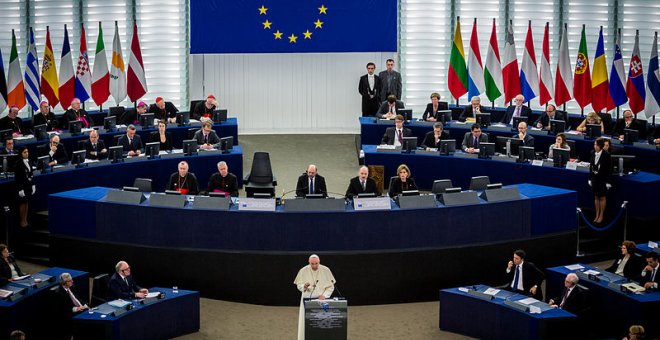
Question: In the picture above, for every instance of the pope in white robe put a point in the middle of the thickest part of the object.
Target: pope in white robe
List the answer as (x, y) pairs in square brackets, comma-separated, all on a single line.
[(314, 281)]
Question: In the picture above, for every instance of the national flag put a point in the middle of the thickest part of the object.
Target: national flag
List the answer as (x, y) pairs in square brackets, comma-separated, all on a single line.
[(635, 85), (546, 86), (563, 77), (458, 78), (101, 75), (3, 85), (474, 65), (510, 69), (67, 79), (600, 93), (16, 94), (49, 83), (529, 76), (83, 75), (617, 77), (653, 98), (582, 77), (117, 71), (493, 70), (31, 77), (137, 82)]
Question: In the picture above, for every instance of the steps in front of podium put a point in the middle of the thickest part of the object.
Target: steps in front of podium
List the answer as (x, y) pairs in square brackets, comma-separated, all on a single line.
[(33, 243)]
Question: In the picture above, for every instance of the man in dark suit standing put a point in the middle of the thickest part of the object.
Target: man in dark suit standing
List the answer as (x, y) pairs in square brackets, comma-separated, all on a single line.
[(526, 139), (394, 135), (550, 113), (311, 183), (163, 110), (362, 184), (131, 142), (369, 87), (523, 276), (122, 285), (628, 122), (390, 81), (433, 138), (471, 110), (389, 108), (474, 138), (573, 298), (67, 305), (517, 110), (95, 147)]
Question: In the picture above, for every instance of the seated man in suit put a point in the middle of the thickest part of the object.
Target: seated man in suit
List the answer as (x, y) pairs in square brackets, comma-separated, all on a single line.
[(122, 285), (432, 108), (131, 142), (132, 116), (163, 110), (207, 138), (550, 113), (517, 110), (388, 108), (432, 138), (472, 139), (45, 116), (9, 147), (67, 305), (95, 147), (12, 122), (522, 134), (362, 184), (76, 113), (204, 109), (654, 137), (651, 274), (183, 181), (56, 151), (394, 135), (311, 183), (471, 110), (224, 181), (628, 122), (573, 298), (524, 277)]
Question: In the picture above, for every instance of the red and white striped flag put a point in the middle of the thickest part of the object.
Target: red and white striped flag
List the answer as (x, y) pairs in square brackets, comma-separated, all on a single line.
[(137, 83), (546, 87), (564, 75)]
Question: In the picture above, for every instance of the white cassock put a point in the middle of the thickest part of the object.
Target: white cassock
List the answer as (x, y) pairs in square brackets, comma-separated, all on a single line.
[(321, 282)]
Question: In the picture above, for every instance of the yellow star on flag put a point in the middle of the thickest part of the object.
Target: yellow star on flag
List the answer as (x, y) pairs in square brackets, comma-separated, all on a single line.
[(323, 9), (262, 10), (278, 34), (293, 38), (266, 24), (308, 34), (318, 23)]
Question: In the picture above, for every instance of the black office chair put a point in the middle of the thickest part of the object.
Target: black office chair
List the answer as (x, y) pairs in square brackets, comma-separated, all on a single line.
[(42, 150), (479, 183), (116, 111), (81, 144), (571, 144), (143, 184), (116, 139), (191, 132), (99, 290), (440, 185), (260, 179), (193, 103)]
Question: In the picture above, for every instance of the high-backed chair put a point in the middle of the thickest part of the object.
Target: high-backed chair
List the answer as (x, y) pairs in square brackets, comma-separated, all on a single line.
[(143, 184), (260, 179)]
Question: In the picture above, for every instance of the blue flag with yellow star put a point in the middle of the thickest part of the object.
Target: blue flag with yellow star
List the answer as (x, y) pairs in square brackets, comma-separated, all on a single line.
[(289, 26)]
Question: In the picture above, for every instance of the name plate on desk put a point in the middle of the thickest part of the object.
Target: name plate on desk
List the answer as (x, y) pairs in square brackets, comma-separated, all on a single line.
[(503, 158), (414, 202), (425, 123), (480, 295), (385, 121), (212, 203), (466, 155), (372, 203), (388, 148), (459, 198), (126, 197), (516, 305), (538, 132), (256, 204), (135, 159), (571, 165), (165, 200), (427, 152), (177, 153), (202, 152), (502, 194), (501, 128), (305, 204)]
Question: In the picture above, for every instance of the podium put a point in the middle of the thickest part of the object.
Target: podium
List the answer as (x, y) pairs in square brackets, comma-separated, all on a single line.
[(326, 319)]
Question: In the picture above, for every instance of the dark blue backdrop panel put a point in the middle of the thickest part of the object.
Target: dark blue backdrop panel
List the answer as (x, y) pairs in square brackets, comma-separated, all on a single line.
[(229, 26)]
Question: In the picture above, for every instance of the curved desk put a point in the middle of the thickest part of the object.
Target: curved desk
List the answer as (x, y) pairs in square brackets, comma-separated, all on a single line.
[(236, 254)]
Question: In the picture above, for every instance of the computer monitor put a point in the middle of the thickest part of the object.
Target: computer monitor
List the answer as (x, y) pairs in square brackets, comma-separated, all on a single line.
[(630, 136), (409, 144), (410, 193), (4, 134), (116, 154), (516, 121), (189, 147), (447, 146), (152, 149), (110, 123), (147, 120), (486, 150), (78, 158), (440, 185), (226, 144), (183, 118), (500, 144), (593, 131), (41, 132), (557, 126), (526, 153), (220, 116), (483, 119), (406, 113), (479, 182), (8, 162), (445, 116), (42, 163), (560, 157), (75, 127), (515, 145), (116, 111)]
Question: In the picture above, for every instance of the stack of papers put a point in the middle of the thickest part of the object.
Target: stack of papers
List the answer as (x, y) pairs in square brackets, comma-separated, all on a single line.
[(5, 293), (119, 303)]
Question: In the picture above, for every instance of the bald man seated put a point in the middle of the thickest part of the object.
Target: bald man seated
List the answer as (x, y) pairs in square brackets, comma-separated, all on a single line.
[(311, 183), (362, 184)]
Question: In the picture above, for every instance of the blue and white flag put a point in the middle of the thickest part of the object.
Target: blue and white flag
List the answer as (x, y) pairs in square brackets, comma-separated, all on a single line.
[(32, 75), (617, 77), (652, 106)]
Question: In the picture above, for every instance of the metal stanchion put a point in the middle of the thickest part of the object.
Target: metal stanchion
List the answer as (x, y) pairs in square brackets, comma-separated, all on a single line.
[(624, 205), (578, 253)]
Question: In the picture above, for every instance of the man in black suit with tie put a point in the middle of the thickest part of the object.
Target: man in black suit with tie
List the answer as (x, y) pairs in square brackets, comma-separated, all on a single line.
[(122, 285), (9, 147), (471, 110), (432, 138), (131, 142), (573, 298), (394, 135), (67, 305), (56, 152), (517, 110), (628, 122), (95, 147), (523, 276), (369, 87), (651, 273), (522, 134), (550, 113), (389, 108), (472, 139), (311, 182), (362, 184), (207, 138)]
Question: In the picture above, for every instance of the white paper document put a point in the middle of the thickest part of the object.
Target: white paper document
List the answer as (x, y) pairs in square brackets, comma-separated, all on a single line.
[(591, 272), (152, 295), (491, 291), (574, 267), (528, 301)]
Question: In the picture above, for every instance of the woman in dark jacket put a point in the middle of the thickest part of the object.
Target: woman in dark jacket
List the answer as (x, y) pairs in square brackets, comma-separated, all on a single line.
[(403, 181), (599, 175), (8, 267), (628, 264), (24, 185)]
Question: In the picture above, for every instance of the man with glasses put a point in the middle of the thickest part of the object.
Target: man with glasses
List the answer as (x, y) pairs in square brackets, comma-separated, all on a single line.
[(68, 305), (572, 299), (56, 152), (517, 110), (551, 113), (122, 285), (627, 122)]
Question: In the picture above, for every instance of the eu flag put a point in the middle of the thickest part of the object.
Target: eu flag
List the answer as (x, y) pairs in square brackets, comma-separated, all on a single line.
[(289, 26)]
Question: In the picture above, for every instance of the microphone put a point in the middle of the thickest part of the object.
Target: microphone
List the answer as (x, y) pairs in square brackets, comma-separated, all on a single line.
[(290, 191), (334, 283), (313, 287)]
